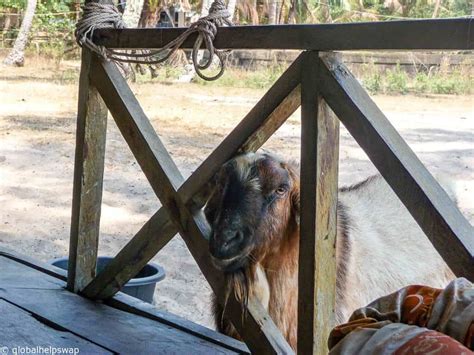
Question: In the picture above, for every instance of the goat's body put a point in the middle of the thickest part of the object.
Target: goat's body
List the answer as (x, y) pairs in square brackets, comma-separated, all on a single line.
[(380, 248)]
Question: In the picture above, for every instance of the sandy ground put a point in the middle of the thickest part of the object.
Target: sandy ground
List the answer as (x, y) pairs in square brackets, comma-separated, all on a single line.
[(37, 128)]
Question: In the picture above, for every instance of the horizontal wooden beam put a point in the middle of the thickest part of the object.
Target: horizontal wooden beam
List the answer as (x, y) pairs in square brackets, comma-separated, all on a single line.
[(443, 223), (443, 34), (258, 330)]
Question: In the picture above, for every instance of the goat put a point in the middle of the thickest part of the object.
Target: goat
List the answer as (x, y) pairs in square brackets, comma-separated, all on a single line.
[(254, 214)]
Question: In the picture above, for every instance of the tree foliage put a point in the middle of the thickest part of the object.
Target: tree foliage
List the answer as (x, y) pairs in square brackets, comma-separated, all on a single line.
[(54, 16), (57, 17), (12, 4)]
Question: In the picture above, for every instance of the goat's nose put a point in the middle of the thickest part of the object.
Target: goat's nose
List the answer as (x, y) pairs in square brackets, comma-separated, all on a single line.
[(232, 237), (229, 246)]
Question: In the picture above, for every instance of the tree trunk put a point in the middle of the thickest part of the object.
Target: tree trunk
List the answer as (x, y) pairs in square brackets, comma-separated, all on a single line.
[(132, 13), (280, 12), (231, 8), (17, 54), (272, 11), (7, 23), (303, 11), (77, 9), (325, 12), (254, 12), (149, 15), (293, 13), (406, 6), (436, 9)]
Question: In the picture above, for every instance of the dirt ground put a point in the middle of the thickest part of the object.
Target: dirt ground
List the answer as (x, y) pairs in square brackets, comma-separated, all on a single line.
[(37, 136)]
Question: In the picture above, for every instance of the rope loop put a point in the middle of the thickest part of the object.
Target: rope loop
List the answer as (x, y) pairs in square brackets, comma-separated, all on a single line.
[(98, 16)]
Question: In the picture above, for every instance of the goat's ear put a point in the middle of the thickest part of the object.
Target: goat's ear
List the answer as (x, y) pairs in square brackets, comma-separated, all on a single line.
[(206, 191), (293, 170), (295, 205)]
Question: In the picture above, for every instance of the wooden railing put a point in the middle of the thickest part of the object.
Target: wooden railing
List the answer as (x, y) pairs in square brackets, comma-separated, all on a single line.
[(317, 81)]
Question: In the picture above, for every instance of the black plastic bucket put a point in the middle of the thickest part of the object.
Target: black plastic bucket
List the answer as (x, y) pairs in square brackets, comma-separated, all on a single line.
[(142, 286)]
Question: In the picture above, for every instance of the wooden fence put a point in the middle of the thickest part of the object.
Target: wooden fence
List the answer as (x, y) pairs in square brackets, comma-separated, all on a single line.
[(358, 61), (318, 81)]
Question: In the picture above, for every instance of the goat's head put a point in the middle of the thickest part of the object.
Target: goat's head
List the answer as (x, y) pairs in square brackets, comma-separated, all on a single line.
[(254, 202)]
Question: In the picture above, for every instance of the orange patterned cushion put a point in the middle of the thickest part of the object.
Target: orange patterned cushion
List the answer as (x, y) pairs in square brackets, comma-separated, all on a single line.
[(398, 322), (418, 303), (434, 343)]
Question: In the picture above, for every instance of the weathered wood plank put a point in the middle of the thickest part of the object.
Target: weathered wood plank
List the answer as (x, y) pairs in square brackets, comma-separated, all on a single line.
[(88, 178), (259, 332), (32, 263), (132, 305), (319, 175), (438, 216), (118, 331), (17, 275), (257, 126), (19, 329), (407, 34), (110, 328), (9, 277)]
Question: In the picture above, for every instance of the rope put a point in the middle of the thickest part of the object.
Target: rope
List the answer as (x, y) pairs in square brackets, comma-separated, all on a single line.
[(98, 16)]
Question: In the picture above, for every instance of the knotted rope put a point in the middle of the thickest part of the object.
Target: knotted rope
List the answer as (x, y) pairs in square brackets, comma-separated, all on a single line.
[(98, 16)]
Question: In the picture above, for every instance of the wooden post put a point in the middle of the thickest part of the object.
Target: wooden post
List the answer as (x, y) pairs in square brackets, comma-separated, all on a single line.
[(88, 176), (319, 172)]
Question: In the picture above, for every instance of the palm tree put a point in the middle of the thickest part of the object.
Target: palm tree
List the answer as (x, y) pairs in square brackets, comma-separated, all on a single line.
[(17, 54)]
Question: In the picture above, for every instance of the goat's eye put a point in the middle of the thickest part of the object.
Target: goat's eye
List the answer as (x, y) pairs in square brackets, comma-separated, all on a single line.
[(281, 190)]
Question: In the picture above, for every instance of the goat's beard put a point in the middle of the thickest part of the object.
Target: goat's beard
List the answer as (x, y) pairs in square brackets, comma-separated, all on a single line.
[(239, 282)]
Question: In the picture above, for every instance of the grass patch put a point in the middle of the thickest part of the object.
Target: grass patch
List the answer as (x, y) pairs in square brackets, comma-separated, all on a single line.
[(233, 77), (394, 81), (442, 80), (65, 77), (251, 79), (438, 81)]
